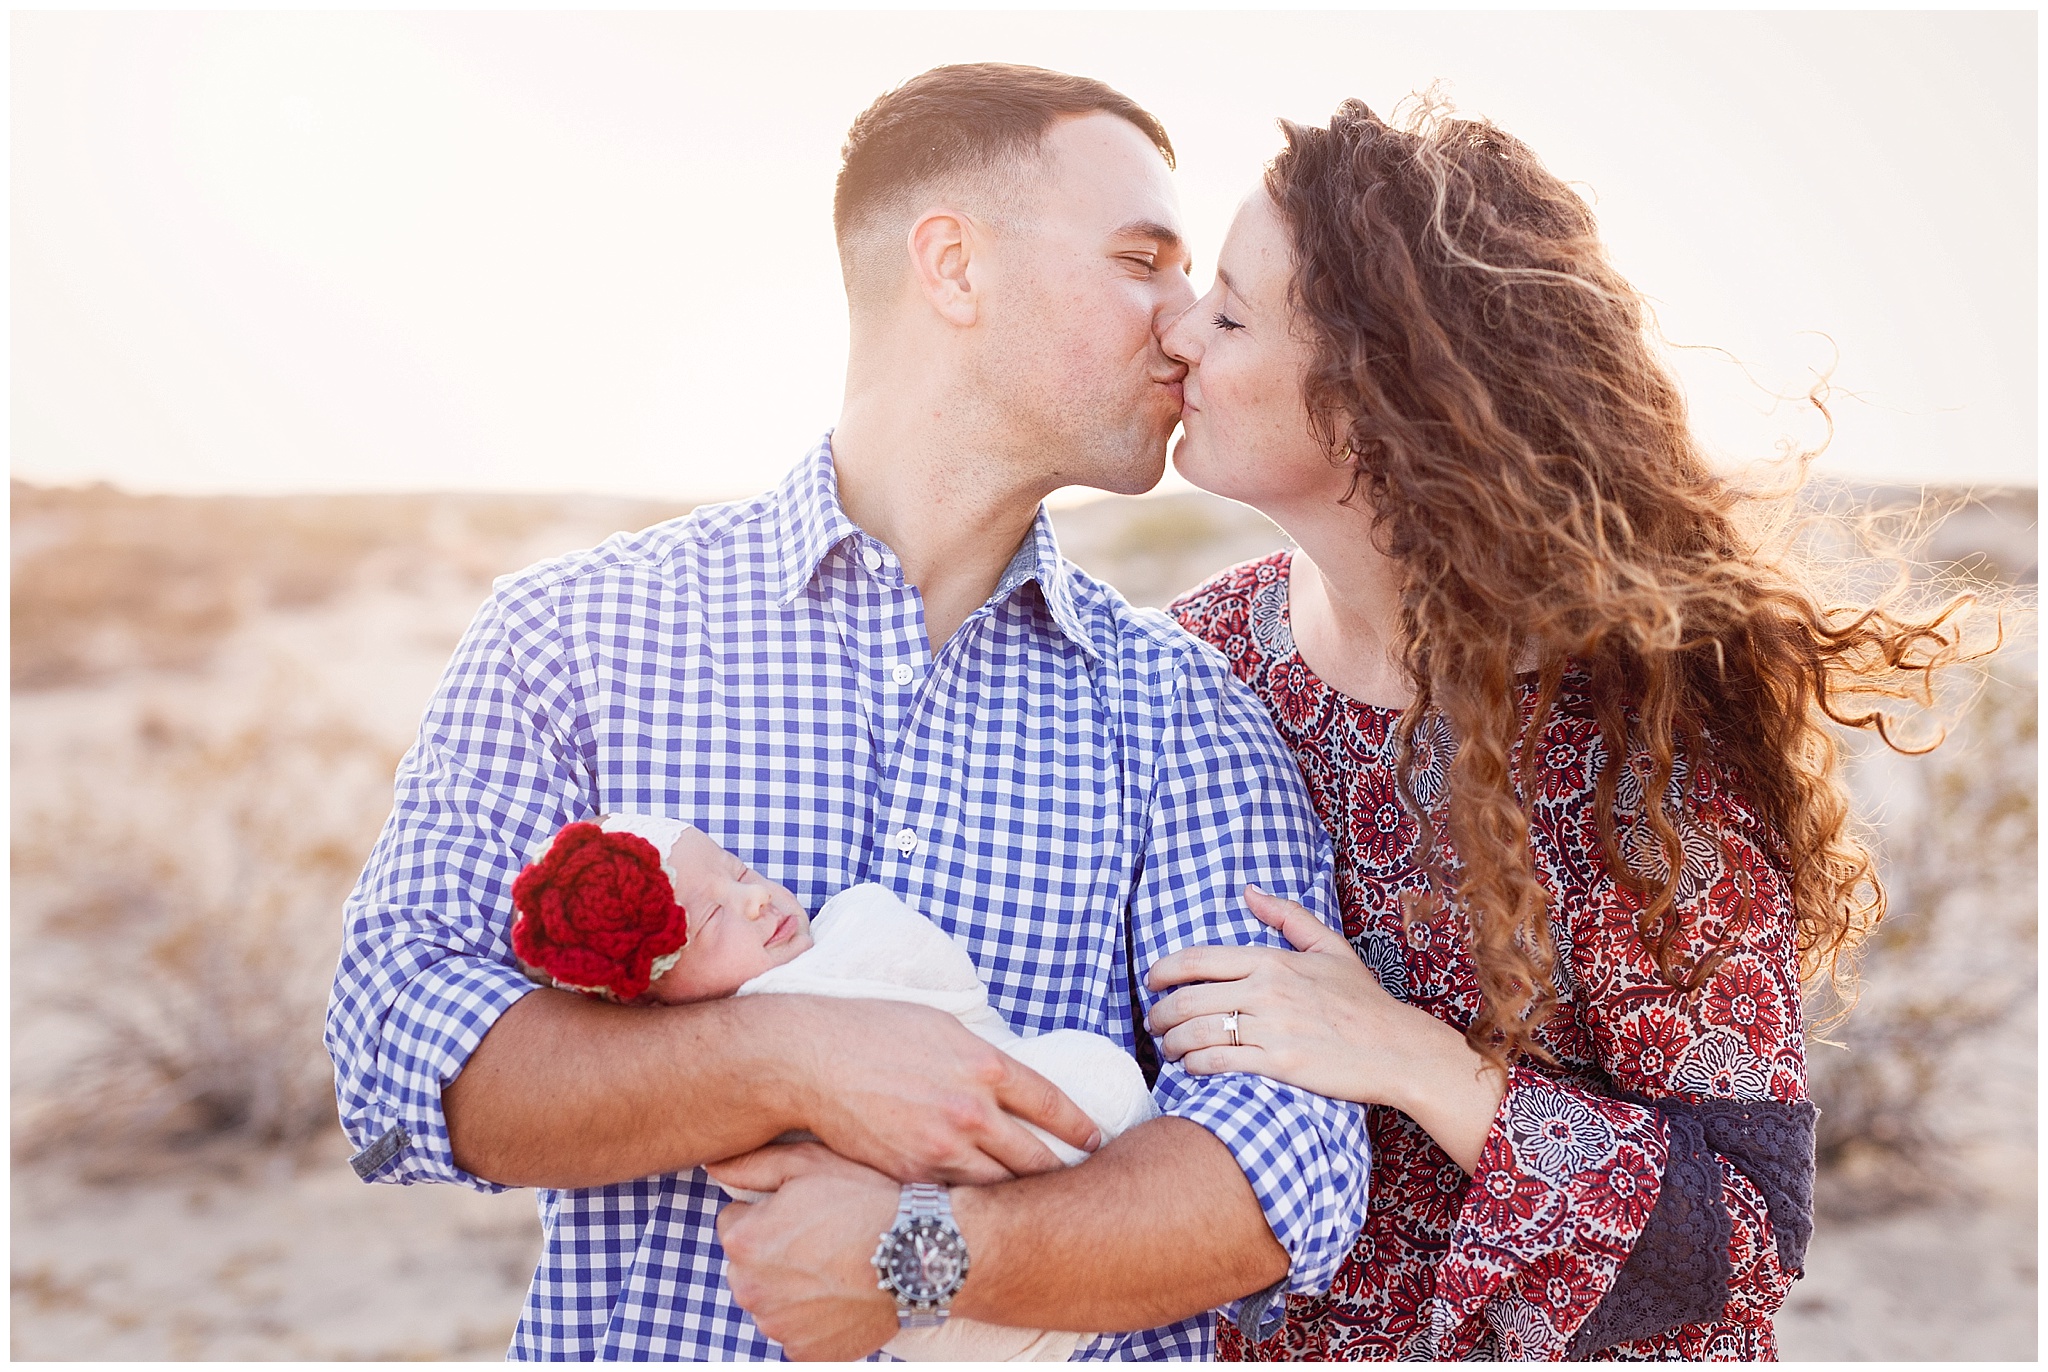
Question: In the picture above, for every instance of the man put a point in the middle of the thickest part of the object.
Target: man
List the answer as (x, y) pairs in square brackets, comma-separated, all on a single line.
[(880, 671)]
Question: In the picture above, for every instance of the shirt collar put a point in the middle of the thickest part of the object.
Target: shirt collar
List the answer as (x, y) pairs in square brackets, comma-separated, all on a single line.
[(813, 524), (1038, 559)]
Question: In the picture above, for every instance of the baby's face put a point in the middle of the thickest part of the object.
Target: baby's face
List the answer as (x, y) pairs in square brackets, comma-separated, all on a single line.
[(741, 923)]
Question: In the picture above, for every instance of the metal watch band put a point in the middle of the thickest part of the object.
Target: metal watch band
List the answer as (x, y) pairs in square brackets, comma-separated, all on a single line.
[(922, 1200)]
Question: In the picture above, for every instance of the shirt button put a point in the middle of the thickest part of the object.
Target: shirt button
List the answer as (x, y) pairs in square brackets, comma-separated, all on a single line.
[(872, 558), (901, 674), (906, 841)]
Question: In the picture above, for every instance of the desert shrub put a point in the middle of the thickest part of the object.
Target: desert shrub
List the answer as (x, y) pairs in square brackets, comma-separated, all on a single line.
[(1152, 548), (199, 928), (104, 581), (1164, 529), (179, 868), (1952, 969), (195, 934), (96, 601)]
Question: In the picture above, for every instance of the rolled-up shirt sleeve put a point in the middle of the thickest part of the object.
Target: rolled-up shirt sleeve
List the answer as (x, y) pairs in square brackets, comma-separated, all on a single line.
[(425, 967), (1226, 808)]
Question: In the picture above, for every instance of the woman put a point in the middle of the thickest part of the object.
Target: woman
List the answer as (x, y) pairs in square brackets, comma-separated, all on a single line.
[(1566, 721)]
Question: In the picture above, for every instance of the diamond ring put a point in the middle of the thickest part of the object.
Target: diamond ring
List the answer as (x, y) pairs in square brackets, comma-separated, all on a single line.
[(1230, 1028)]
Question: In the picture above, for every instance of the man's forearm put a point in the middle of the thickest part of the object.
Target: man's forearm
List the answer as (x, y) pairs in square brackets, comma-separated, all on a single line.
[(1159, 1225), (566, 1091)]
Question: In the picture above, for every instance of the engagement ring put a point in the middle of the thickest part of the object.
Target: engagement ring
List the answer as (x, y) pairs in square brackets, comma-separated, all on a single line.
[(1230, 1028)]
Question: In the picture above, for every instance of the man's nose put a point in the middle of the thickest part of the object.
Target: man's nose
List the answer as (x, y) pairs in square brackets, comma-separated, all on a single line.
[(1180, 294)]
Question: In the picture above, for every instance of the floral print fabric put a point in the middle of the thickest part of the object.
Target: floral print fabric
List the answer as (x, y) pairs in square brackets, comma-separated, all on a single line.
[(1507, 1264)]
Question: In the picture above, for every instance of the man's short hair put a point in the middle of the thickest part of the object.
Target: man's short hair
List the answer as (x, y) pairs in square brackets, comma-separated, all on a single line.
[(970, 128)]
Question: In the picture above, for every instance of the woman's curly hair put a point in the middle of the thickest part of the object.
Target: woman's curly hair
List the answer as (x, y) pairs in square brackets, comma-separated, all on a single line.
[(1491, 381)]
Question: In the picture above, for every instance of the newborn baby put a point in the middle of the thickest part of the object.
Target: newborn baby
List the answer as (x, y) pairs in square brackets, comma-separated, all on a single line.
[(642, 909)]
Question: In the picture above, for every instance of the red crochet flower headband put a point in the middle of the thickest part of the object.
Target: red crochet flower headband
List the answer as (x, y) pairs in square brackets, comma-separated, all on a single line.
[(597, 914)]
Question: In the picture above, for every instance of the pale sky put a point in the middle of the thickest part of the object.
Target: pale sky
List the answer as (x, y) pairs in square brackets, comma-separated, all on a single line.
[(528, 251)]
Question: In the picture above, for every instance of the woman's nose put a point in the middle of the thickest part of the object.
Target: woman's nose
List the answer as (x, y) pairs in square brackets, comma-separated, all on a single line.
[(1178, 341)]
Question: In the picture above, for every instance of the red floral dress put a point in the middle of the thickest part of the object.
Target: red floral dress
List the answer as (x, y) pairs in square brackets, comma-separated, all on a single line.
[(1511, 1262)]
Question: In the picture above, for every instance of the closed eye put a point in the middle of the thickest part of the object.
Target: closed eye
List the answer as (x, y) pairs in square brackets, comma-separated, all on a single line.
[(1226, 323)]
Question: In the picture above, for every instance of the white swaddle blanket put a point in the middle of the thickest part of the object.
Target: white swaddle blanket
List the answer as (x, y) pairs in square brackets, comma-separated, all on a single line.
[(870, 945)]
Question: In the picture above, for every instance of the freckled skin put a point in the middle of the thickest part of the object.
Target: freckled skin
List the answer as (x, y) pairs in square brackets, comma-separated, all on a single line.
[(1244, 426)]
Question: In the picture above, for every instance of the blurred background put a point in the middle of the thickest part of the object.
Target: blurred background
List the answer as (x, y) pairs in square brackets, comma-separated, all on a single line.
[(320, 322)]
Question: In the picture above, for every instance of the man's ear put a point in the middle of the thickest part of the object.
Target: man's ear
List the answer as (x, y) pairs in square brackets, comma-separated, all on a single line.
[(943, 244)]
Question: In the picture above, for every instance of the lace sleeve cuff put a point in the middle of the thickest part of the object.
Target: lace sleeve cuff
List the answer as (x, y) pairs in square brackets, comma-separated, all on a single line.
[(1679, 1269)]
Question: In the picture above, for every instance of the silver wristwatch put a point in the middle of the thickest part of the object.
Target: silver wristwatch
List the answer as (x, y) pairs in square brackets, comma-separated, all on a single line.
[(922, 1260)]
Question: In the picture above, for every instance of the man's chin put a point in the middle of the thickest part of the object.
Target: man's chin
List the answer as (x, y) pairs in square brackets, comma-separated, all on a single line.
[(1132, 472), (1136, 482)]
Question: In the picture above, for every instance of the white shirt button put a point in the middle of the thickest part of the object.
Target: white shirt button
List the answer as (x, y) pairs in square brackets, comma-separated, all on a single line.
[(872, 558), (901, 674), (906, 841)]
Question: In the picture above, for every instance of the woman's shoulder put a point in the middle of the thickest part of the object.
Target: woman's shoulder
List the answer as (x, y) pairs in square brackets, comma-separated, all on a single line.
[(1237, 601)]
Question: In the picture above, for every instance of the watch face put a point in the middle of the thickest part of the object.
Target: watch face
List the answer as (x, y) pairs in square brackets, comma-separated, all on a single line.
[(927, 1261)]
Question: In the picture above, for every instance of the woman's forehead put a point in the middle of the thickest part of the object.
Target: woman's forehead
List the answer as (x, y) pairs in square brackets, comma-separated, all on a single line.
[(1257, 254)]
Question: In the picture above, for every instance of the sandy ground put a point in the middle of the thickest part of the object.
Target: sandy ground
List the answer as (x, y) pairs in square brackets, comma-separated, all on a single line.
[(1944, 1284), (267, 1258), (294, 1258)]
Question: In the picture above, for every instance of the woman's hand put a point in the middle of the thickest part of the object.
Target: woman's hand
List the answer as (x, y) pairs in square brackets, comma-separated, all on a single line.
[(1317, 1018)]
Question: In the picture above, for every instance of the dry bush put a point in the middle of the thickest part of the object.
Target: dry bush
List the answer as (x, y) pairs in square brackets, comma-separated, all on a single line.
[(104, 581), (179, 871), (1152, 548), (196, 928), (196, 920), (1950, 977), (1917, 1073)]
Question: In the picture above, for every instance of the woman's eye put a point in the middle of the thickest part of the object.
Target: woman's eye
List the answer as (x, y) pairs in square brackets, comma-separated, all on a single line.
[(1227, 324), (1142, 263)]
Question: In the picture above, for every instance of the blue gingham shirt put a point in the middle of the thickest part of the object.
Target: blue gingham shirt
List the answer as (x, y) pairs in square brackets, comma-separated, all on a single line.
[(1066, 769)]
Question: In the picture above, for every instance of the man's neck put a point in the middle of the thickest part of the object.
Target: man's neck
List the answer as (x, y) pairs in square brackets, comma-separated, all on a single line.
[(954, 510)]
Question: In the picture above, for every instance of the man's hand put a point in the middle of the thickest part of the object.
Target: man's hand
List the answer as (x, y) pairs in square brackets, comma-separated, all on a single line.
[(1160, 1226), (908, 1090), (565, 1091), (798, 1262)]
